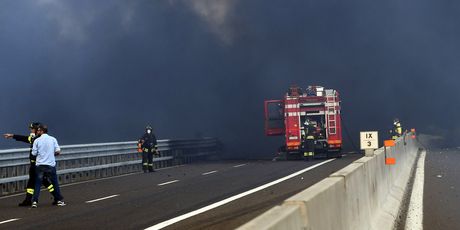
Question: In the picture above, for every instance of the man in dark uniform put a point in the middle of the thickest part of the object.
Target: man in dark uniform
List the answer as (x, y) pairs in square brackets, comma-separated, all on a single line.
[(32, 172), (148, 143), (310, 137), (397, 129)]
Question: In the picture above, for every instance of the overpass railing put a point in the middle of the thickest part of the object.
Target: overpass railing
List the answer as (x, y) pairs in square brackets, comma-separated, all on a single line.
[(93, 161)]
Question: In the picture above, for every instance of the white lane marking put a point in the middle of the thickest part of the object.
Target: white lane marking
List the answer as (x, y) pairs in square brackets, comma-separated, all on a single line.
[(230, 199), (414, 220), (95, 180), (10, 220), (169, 182), (103, 198), (237, 166), (207, 173)]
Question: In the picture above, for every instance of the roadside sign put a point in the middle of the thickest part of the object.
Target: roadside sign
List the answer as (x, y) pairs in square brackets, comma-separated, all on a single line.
[(369, 140)]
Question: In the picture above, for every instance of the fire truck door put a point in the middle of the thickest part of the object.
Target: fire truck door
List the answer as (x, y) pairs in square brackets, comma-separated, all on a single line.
[(274, 118)]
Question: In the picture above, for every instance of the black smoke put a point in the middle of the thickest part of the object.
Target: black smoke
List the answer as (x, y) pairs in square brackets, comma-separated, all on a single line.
[(101, 71)]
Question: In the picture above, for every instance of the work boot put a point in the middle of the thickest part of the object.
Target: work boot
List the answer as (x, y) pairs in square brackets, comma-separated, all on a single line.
[(55, 202), (27, 201)]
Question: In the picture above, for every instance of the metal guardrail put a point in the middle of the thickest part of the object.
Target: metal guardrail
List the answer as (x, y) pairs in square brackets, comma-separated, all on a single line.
[(92, 161)]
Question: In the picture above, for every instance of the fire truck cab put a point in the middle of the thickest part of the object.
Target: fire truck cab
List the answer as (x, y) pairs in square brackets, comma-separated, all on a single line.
[(320, 106)]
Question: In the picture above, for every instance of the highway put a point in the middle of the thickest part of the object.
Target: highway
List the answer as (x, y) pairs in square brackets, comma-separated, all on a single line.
[(441, 201), (228, 193)]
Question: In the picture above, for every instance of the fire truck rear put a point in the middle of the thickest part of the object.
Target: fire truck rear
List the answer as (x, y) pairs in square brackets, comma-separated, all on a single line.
[(288, 117)]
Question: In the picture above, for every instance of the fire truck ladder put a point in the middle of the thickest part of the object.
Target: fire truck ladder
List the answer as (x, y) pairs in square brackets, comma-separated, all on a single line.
[(331, 112)]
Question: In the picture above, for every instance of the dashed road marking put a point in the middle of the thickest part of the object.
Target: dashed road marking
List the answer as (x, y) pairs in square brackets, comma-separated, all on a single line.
[(230, 199), (91, 181), (414, 220), (237, 166), (169, 182), (207, 173), (103, 198), (10, 220)]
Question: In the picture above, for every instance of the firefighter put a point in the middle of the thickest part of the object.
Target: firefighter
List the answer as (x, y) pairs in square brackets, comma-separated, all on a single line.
[(32, 171), (310, 133), (148, 144), (397, 129)]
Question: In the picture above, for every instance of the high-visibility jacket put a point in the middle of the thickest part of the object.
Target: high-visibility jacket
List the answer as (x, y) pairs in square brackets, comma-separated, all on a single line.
[(397, 129)]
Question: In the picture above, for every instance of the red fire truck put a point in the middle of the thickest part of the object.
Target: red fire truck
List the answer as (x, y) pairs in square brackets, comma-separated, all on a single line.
[(287, 117)]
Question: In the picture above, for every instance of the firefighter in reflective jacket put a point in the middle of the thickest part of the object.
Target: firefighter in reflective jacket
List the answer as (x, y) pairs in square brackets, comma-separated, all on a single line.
[(32, 173), (310, 138), (397, 129), (148, 145)]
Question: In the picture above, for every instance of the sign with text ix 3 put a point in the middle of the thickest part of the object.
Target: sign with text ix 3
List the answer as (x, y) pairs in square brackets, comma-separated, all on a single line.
[(369, 140)]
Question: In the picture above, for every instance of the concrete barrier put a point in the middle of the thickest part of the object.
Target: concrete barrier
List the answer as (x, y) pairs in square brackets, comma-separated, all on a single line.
[(278, 218), (366, 194)]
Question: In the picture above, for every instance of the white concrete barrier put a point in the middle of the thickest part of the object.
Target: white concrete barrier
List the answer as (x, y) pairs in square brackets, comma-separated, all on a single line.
[(278, 218), (366, 194)]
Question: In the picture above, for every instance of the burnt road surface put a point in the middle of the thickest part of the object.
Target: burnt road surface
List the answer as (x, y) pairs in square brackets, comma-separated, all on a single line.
[(138, 201), (441, 201)]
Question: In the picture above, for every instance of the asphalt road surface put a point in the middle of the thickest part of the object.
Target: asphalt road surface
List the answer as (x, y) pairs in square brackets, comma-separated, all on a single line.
[(139, 201), (441, 201)]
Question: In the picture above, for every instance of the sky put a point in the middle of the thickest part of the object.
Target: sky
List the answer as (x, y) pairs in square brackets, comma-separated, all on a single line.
[(100, 71)]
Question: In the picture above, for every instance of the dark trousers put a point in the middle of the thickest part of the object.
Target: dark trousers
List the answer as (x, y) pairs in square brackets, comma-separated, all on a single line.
[(309, 148), (147, 159), (31, 182), (46, 171)]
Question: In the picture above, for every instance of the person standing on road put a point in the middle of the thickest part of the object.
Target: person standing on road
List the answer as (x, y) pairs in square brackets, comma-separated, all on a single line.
[(32, 174), (310, 137), (45, 148), (148, 143), (397, 129)]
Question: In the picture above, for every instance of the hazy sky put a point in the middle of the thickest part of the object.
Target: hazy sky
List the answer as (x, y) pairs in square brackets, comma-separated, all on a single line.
[(99, 71)]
